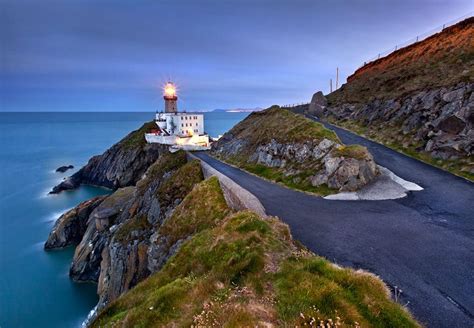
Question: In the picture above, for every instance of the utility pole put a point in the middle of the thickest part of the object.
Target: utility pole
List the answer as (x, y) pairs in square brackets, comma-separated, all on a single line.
[(337, 78), (330, 85)]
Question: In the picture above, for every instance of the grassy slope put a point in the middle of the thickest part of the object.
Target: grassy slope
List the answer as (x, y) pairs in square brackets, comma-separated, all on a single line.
[(443, 59), (137, 137), (260, 128), (242, 270)]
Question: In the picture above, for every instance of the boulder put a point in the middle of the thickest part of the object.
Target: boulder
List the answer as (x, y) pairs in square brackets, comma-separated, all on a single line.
[(318, 104), (451, 124), (64, 168), (346, 173)]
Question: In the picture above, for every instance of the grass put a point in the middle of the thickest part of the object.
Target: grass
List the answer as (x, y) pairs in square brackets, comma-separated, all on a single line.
[(282, 125), (242, 270), (133, 226), (137, 138), (201, 209), (320, 291), (180, 183), (168, 162), (352, 151), (299, 181)]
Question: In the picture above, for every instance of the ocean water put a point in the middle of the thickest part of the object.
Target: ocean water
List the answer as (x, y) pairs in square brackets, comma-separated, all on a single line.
[(35, 289)]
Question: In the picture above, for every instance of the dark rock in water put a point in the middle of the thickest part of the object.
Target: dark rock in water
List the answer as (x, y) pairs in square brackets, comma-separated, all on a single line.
[(121, 165), (64, 168)]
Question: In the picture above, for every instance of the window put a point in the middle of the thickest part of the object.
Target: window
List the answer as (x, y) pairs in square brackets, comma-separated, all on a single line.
[(182, 124), (196, 124)]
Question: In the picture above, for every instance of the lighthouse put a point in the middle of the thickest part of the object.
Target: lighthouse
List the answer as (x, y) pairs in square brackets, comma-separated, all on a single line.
[(179, 130), (171, 99)]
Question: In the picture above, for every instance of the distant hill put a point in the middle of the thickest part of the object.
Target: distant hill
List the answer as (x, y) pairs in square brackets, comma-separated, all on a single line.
[(239, 110)]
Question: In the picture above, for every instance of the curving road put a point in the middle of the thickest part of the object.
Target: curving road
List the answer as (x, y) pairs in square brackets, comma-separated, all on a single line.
[(424, 243)]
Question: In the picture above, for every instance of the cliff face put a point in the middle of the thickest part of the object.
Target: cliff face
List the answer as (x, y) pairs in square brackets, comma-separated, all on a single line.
[(296, 151), (123, 237), (121, 165), (418, 100)]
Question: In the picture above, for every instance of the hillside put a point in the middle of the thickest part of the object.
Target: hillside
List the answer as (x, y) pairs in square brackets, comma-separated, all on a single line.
[(441, 60), (297, 152), (418, 100)]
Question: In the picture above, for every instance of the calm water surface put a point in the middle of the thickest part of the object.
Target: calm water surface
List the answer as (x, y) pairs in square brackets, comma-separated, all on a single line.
[(35, 290)]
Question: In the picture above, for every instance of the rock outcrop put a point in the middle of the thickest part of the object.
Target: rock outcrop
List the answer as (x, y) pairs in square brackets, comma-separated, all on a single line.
[(318, 104), (439, 122), (121, 165), (296, 151), (72, 225)]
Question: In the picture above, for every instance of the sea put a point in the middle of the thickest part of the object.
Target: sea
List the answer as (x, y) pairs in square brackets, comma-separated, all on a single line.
[(35, 289)]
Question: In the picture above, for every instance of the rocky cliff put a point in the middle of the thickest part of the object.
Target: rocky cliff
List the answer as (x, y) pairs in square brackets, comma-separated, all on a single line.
[(418, 100), (296, 151), (121, 165), (123, 237)]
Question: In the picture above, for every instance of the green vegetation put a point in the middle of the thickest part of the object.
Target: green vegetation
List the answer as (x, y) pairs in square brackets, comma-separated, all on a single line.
[(260, 128), (168, 162), (443, 59), (180, 183), (242, 270), (299, 181), (352, 151), (331, 294), (134, 225), (137, 138), (201, 209)]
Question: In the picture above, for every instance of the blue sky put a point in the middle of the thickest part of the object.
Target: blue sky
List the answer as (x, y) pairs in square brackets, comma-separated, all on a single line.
[(114, 55)]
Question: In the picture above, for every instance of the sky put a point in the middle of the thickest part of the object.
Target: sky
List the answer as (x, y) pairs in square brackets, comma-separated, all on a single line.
[(115, 55)]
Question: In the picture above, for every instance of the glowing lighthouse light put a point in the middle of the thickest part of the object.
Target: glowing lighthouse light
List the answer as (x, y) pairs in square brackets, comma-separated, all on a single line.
[(169, 90)]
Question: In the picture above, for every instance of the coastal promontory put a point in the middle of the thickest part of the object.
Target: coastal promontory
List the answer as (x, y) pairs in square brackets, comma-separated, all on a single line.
[(169, 248)]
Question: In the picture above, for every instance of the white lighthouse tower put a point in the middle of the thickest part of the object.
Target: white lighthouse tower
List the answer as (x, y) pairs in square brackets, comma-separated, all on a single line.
[(180, 130)]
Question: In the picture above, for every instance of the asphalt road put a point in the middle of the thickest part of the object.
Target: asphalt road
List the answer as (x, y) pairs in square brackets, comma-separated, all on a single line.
[(424, 243)]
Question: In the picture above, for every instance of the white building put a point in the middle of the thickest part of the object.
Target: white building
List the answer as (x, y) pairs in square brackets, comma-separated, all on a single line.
[(178, 129)]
